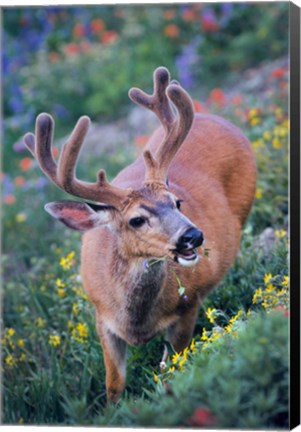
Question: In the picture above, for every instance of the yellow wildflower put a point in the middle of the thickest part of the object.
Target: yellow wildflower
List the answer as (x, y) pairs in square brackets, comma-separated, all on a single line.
[(75, 308), (267, 278), (60, 283), (21, 343), (280, 233), (40, 322), (22, 357), (235, 318), (215, 334), (80, 332), (171, 369), (70, 324), (181, 362), (67, 262), (192, 345), (54, 340), (285, 281), (257, 295), (21, 217), (269, 288), (82, 329), (267, 135), (229, 328), (253, 112), (282, 292), (21, 420), (175, 358), (255, 121), (278, 111), (10, 332), (185, 353), (259, 143), (276, 143), (156, 379), (204, 336), (61, 292), (79, 291), (210, 315), (280, 131), (10, 360), (258, 193)]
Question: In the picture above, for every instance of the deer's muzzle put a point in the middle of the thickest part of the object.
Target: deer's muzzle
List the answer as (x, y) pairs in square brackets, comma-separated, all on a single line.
[(186, 248)]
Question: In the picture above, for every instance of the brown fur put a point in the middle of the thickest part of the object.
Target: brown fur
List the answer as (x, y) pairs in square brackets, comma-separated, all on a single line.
[(129, 272), (214, 173)]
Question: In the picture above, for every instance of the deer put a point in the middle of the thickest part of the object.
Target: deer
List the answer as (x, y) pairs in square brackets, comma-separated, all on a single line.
[(145, 230)]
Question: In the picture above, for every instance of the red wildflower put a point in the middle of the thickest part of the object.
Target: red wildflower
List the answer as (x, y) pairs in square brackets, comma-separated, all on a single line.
[(71, 49), (172, 31), (9, 199), (169, 14), (55, 152), (109, 36), (237, 99), (25, 164), (277, 73), (78, 30), (19, 181), (282, 84), (188, 15), (199, 107), (209, 22), (217, 96), (283, 310), (141, 140), (97, 25), (53, 57), (201, 417)]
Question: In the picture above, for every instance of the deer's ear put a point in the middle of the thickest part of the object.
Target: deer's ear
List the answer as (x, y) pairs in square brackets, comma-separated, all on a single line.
[(79, 215)]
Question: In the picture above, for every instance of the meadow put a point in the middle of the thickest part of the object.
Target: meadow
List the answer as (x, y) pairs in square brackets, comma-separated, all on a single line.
[(81, 60)]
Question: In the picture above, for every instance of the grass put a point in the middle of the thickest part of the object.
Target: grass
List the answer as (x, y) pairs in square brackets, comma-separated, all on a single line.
[(234, 374)]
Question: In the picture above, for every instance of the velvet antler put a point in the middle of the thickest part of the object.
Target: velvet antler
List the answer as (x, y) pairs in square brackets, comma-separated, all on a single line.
[(176, 126), (63, 173)]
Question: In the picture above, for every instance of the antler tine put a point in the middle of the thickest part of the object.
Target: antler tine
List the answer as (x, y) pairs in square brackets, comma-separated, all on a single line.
[(174, 140), (176, 127), (40, 146), (63, 175), (158, 101)]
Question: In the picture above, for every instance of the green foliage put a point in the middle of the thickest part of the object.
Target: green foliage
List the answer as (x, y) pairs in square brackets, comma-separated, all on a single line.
[(241, 379), (235, 370), (250, 37)]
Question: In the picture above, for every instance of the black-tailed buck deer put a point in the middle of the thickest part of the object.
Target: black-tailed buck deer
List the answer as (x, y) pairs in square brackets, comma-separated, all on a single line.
[(195, 180)]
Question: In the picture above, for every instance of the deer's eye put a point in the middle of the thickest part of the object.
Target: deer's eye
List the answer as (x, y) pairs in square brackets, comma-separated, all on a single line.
[(178, 204), (137, 222)]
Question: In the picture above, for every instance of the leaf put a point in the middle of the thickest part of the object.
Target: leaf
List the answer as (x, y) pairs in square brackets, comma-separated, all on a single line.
[(181, 290)]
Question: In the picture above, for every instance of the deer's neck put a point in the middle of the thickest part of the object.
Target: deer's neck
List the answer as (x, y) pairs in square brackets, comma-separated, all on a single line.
[(138, 273), (141, 281)]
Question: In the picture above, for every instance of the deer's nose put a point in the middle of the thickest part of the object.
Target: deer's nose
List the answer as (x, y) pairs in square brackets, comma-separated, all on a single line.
[(193, 237)]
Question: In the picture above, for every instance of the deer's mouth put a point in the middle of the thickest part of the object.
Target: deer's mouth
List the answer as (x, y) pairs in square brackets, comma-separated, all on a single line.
[(186, 257)]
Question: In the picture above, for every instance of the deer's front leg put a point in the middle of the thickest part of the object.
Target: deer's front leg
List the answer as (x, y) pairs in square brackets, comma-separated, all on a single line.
[(114, 351), (180, 333)]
